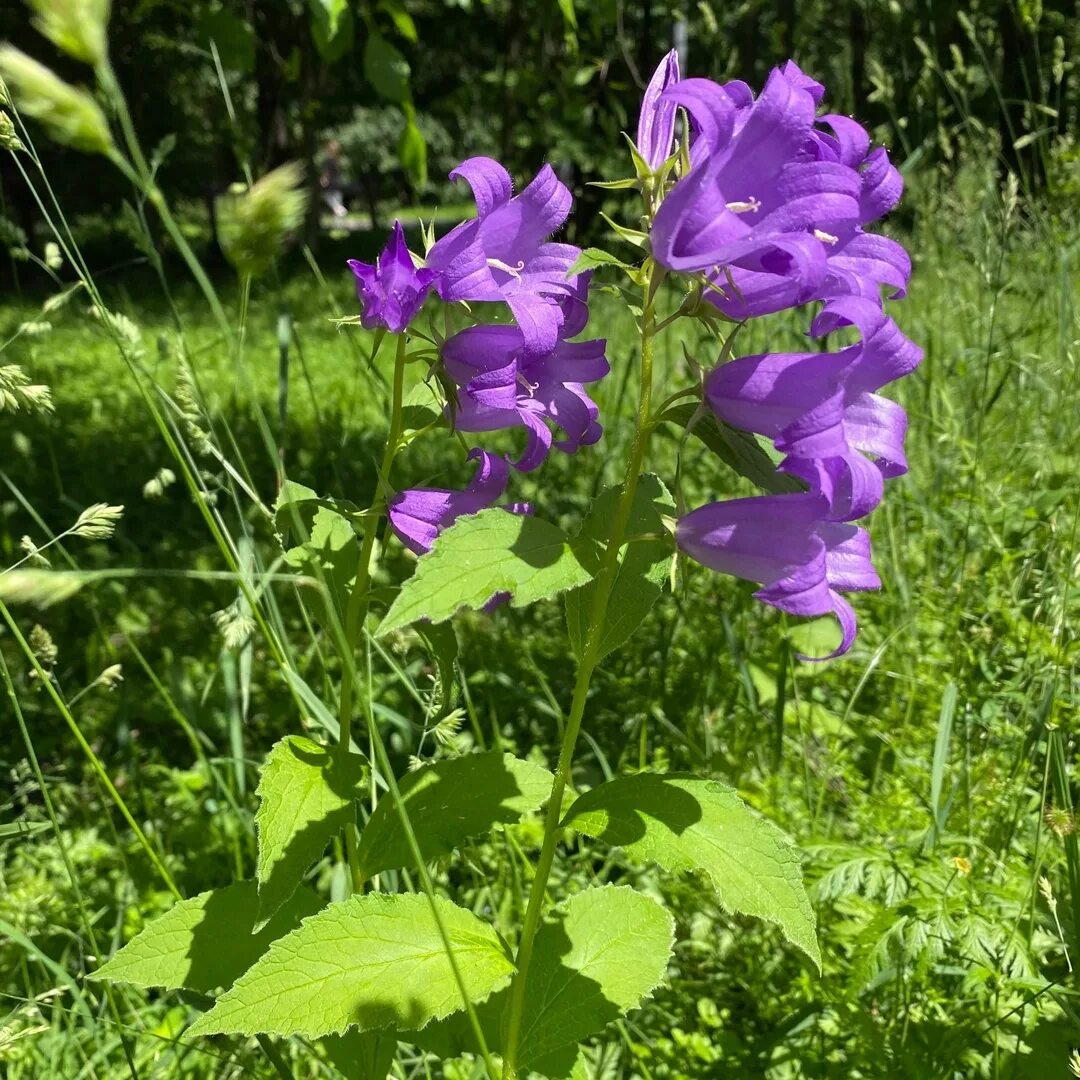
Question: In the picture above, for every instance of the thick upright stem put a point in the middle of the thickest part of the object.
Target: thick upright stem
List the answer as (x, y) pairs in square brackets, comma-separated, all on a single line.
[(603, 585)]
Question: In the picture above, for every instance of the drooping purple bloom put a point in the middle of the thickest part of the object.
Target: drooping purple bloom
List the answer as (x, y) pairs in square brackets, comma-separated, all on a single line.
[(656, 121), (504, 254), (856, 262), (755, 198), (392, 290), (822, 409), (783, 542), (418, 515), (502, 386)]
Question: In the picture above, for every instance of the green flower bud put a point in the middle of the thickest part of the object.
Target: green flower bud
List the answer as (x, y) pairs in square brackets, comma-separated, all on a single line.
[(76, 27), (70, 115), (8, 139), (253, 224)]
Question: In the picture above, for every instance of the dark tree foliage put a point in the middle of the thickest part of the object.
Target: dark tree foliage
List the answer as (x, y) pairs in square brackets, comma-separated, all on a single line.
[(244, 85)]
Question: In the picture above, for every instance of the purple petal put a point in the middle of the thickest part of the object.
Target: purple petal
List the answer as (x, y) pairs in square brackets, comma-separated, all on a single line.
[(656, 122), (490, 182)]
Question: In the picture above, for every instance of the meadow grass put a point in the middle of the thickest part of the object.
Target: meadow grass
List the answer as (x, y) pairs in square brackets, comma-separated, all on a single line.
[(928, 774)]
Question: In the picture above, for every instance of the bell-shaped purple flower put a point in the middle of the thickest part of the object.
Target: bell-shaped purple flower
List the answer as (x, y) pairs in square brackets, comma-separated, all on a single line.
[(856, 262), (755, 198), (822, 409), (504, 254), (656, 121), (418, 515), (783, 542), (392, 290), (501, 385)]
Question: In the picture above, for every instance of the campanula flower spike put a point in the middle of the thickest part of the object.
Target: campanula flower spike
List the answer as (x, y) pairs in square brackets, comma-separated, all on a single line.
[(505, 253), (392, 290), (656, 121), (784, 543)]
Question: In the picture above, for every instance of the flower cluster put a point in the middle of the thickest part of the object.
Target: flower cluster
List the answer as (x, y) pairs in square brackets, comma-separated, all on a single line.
[(772, 213), (525, 374)]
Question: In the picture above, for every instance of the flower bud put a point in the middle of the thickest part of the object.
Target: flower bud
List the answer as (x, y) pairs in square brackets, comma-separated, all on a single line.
[(656, 124), (76, 27), (8, 139), (70, 115), (253, 225)]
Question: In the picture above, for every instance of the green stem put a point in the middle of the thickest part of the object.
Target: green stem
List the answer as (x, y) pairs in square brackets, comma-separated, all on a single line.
[(356, 611), (87, 749), (603, 585)]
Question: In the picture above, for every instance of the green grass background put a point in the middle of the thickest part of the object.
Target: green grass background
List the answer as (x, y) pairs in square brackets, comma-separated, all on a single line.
[(946, 735)]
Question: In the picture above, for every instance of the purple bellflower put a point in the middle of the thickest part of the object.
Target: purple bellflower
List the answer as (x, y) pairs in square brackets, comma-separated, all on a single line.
[(392, 290), (502, 386), (783, 542), (856, 262), (418, 515), (822, 409), (755, 199), (656, 121), (504, 254)]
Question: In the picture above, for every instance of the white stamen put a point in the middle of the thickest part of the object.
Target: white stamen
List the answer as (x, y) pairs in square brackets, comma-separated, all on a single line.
[(826, 238), (529, 386), (751, 206), (513, 271)]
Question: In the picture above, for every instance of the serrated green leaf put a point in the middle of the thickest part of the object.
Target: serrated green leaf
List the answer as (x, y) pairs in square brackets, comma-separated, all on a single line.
[(372, 962), (604, 951), (600, 954), (450, 802), (738, 449), (644, 564), (307, 795), (205, 942), (483, 555), (687, 823), (593, 257)]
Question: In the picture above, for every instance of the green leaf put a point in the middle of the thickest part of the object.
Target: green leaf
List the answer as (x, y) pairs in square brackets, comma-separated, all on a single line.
[(330, 555), (372, 962), (402, 20), (364, 1054), (644, 564), (205, 942), (604, 951), (686, 823), (386, 69), (631, 236), (233, 38), (442, 643), (412, 151), (593, 257), (599, 955), (307, 796), (738, 449), (450, 802), (480, 556), (331, 28)]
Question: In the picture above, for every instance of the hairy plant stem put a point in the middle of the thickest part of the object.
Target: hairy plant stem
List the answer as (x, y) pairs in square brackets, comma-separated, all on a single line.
[(357, 609), (603, 585)]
